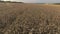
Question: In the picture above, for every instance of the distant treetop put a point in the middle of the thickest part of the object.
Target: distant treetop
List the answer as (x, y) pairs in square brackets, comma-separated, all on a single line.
[(11, 1)]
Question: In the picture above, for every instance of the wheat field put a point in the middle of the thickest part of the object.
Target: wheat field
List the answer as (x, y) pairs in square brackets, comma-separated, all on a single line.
[(24, 18)]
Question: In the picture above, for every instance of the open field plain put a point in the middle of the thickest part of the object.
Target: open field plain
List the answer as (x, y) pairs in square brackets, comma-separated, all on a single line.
[(21, 18)]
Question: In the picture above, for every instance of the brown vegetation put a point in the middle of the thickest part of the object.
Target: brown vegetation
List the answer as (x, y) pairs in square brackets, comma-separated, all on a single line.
[(16, 18)]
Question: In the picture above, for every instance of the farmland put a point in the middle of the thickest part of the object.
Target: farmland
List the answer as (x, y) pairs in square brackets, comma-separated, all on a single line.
[(21, 18)]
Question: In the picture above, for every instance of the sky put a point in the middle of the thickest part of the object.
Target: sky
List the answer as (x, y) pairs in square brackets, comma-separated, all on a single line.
[(36, 1), (42, 1)]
